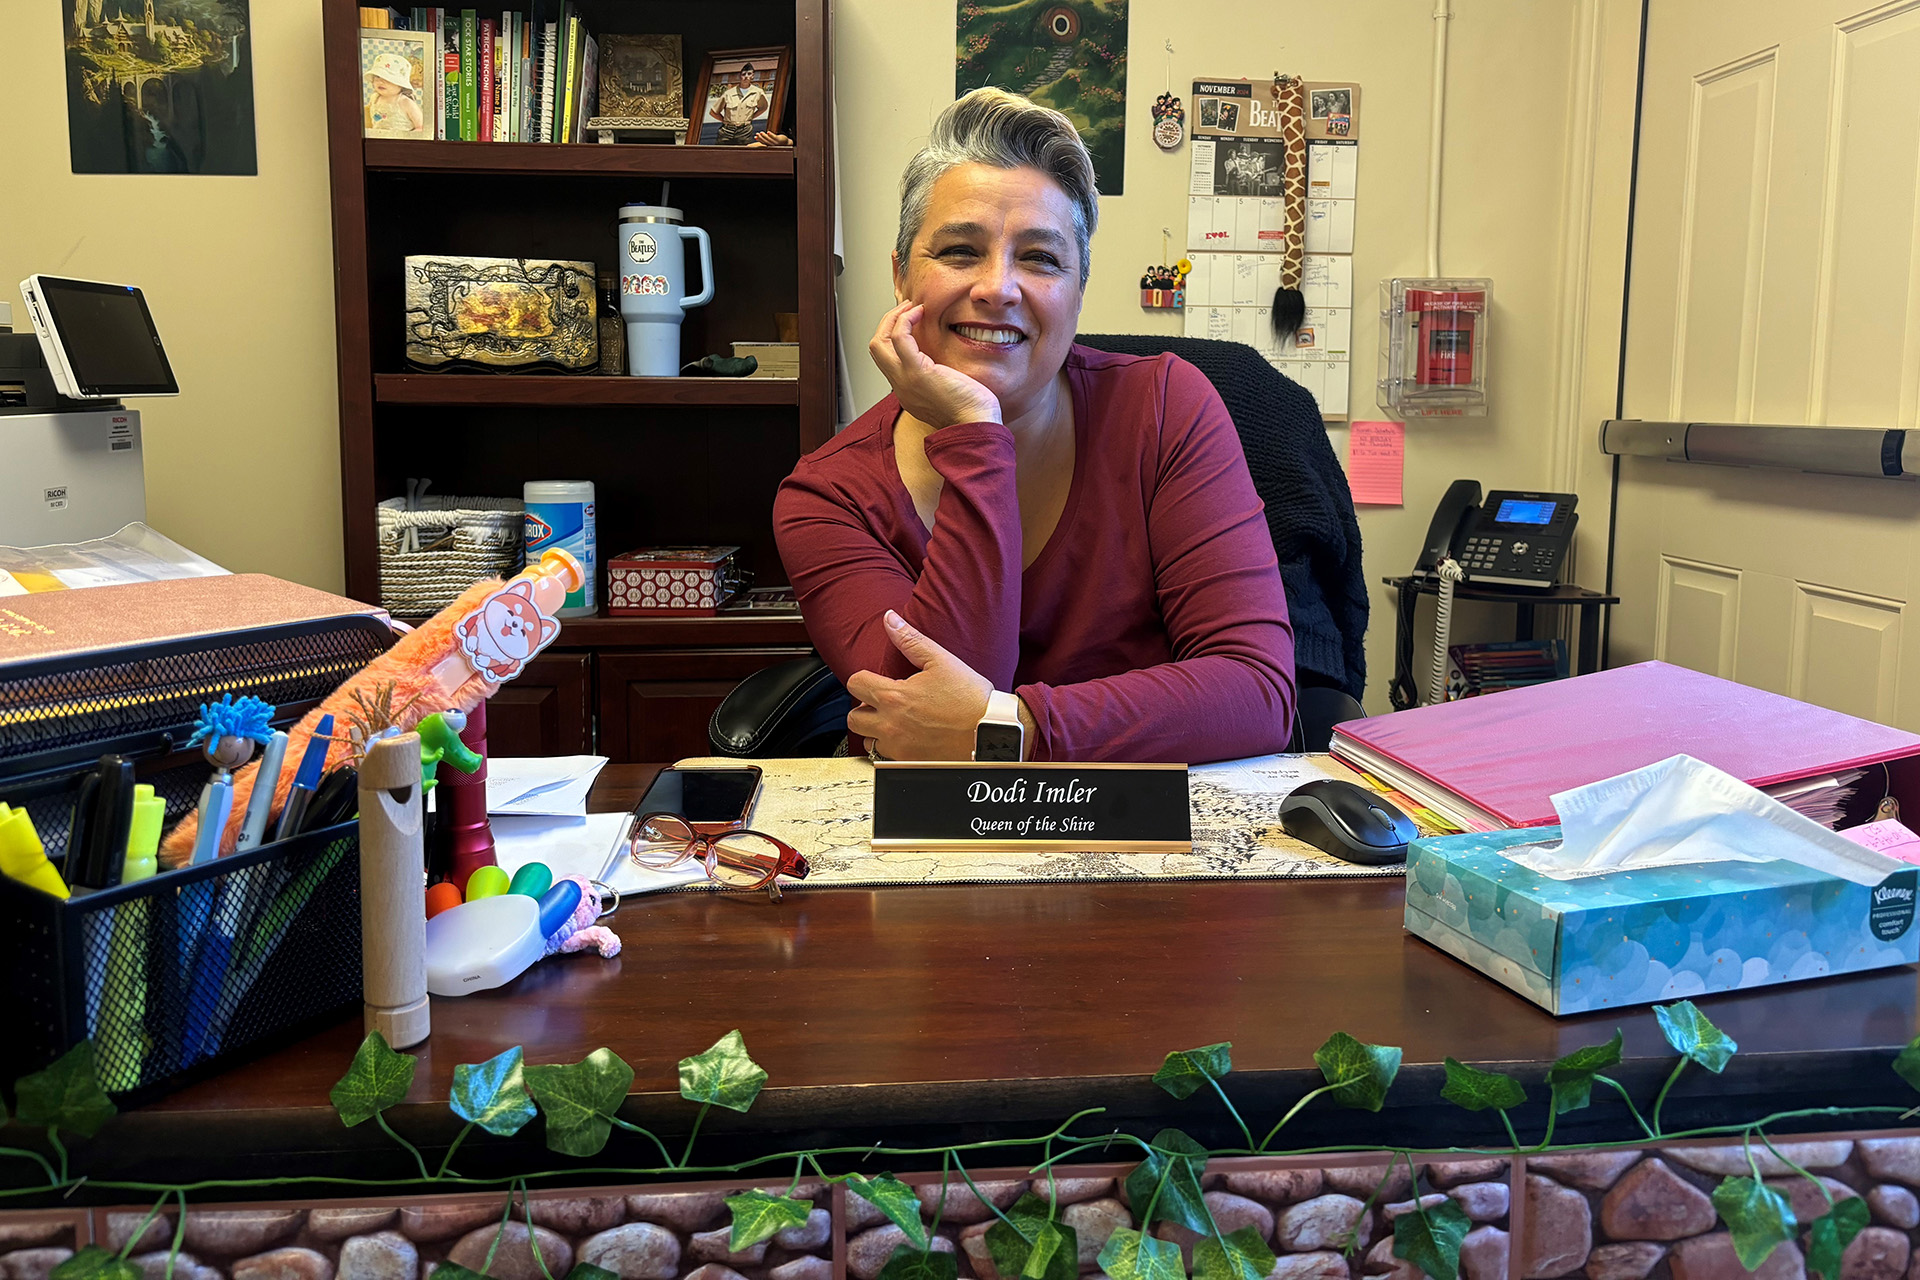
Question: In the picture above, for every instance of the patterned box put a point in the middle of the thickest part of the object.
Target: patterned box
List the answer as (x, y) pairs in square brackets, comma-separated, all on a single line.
[(683, 582)]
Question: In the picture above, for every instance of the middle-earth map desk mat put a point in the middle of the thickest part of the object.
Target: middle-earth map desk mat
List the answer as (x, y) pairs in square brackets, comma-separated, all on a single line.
[(824, 808)]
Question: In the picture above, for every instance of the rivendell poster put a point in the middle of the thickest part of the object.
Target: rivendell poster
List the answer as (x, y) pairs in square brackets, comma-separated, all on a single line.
[(1070, 55), (159, 86)]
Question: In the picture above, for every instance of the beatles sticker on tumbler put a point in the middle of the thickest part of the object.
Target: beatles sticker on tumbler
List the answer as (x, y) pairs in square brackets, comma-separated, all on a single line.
[(560, 514)]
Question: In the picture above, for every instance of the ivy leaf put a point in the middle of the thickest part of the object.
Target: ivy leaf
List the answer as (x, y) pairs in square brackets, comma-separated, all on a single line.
[(895, 1199), (1034, 1247), (1758, 1216), (1907, 1065), (1369, 1070), (1179, 1201), (920, 1264), (493, 1094), (454, 1271), (724, 1075), (1185, 1070), (1478, 1090), (1431, 1240), (1238, 1255), (1688, 1031), (578, 1100), (95, 1263), (379, 1078), (1571, 1077), (587, 1271), (757, 1215), (1129, 1255), (66, 1094), (1831, 1233)]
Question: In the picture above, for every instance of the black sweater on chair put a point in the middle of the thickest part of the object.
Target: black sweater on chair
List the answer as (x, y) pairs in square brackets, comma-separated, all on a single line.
[(1309, 505)]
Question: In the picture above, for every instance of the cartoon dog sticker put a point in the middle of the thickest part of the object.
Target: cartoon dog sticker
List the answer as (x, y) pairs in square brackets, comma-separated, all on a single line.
[(505, 632)]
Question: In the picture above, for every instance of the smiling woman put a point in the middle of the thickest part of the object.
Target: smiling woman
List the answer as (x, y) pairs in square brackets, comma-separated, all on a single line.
[(1031, 549)]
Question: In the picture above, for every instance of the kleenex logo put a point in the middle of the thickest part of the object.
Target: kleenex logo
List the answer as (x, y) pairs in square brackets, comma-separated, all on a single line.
[(1887, 893)]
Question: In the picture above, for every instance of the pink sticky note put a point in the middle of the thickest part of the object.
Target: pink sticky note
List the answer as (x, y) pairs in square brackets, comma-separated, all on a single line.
[(1376, 459), (1888, 837)]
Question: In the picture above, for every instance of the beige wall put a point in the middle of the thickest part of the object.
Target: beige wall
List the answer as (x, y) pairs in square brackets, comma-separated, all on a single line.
[(1508, 111), (244, 466)]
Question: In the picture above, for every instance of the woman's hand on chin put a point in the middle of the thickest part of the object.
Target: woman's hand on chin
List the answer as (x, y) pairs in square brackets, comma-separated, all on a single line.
[(928, 716), (933, 393)]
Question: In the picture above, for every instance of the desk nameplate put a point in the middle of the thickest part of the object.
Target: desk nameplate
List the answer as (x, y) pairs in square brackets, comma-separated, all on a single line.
[(954, 806)]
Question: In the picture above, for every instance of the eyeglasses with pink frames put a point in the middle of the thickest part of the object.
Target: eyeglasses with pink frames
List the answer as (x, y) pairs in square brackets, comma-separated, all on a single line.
[(737, 859)]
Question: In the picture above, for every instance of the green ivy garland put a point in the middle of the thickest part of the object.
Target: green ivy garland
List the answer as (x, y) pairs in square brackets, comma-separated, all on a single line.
[(581, 1102)]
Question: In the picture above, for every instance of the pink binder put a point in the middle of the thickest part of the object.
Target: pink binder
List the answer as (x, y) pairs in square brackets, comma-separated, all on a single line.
[(1507, 753)]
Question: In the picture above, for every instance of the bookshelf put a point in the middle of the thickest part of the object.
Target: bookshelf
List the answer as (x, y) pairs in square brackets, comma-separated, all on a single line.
[(693, 460)]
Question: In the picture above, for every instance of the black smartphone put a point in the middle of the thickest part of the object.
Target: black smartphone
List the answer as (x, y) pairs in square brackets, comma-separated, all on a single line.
[(714, 799)]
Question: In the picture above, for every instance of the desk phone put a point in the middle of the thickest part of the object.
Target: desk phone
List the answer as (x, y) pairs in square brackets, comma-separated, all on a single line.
[(1513, 539)]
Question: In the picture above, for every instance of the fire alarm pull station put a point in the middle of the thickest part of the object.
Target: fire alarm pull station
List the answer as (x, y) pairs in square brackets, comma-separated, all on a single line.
[(1433, 347)]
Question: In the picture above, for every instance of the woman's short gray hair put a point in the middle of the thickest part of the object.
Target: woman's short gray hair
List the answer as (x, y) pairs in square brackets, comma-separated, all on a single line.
[(1007, 131)]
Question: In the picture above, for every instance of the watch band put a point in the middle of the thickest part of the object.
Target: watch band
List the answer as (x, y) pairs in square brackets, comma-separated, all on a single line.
[(1002, 708)]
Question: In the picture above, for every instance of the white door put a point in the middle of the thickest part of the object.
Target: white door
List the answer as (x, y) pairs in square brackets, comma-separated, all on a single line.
[(1776, 279)]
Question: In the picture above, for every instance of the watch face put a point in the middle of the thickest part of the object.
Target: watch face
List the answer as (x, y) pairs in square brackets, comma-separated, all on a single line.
[(997, 743)]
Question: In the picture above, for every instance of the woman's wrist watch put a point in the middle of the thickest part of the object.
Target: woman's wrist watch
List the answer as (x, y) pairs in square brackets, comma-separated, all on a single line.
[(1000, 737)]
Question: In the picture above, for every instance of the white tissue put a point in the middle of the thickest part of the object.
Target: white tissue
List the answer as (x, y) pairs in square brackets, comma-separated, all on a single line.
[(1683, 810)]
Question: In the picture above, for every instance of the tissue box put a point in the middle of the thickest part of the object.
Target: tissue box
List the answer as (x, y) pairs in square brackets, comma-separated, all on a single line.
[(1651, 934)]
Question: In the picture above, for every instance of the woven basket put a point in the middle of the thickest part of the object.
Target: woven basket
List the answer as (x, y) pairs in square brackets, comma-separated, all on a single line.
[(431, 553)]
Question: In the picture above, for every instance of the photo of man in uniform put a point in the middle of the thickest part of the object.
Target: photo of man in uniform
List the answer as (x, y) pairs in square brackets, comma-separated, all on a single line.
[(737, 106)]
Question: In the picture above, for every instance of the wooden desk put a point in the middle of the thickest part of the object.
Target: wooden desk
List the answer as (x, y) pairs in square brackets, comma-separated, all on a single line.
[(927, 1013)]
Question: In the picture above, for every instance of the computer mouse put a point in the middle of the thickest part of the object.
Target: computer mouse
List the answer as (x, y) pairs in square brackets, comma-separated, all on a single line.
[(1348, 821)]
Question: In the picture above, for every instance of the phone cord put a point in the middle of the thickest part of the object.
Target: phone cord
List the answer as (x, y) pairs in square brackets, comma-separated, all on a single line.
[(1449, 573)]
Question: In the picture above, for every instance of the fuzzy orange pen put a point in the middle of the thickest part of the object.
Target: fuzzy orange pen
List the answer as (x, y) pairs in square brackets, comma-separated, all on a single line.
[(451, 662)]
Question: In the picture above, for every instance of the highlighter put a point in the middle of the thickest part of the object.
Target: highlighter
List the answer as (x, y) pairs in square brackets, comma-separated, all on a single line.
[(266, 780), (23, 857), (119, 1033), (305, 782)]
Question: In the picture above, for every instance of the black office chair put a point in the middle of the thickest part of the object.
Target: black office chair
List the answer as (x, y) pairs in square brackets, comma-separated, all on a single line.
[(799, 709)]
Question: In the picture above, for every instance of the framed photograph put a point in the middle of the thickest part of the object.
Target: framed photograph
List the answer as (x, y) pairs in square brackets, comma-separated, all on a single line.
[(641, 76), (739, 93), (393, 83)]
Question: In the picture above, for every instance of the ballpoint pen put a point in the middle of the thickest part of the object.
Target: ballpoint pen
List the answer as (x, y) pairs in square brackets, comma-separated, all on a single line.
[(226, 733), (312, 764), (266, 781)]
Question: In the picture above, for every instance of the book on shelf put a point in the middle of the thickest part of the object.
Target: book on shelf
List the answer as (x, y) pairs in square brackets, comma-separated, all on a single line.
[(485, 51), (589, 85), (529, 75), (1474, 670), (382, 19)]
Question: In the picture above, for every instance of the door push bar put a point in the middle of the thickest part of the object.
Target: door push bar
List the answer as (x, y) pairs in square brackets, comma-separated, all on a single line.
[(1835, 451)]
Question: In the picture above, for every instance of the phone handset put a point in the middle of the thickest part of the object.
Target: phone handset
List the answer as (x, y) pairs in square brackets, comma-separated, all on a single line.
[(1451, 521)]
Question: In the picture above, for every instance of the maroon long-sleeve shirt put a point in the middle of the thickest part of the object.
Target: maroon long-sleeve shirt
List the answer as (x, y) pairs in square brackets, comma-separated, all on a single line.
[(1151, 627)]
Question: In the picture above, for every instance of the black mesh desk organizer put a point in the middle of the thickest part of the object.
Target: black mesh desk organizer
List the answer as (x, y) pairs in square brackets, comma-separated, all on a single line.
[(178, 976)]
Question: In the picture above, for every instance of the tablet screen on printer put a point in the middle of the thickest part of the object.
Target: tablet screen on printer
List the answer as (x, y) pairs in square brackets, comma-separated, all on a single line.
[(108, 336)]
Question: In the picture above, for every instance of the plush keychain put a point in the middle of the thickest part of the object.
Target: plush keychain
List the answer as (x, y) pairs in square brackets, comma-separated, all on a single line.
[(580, 933), (1289, 303)]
